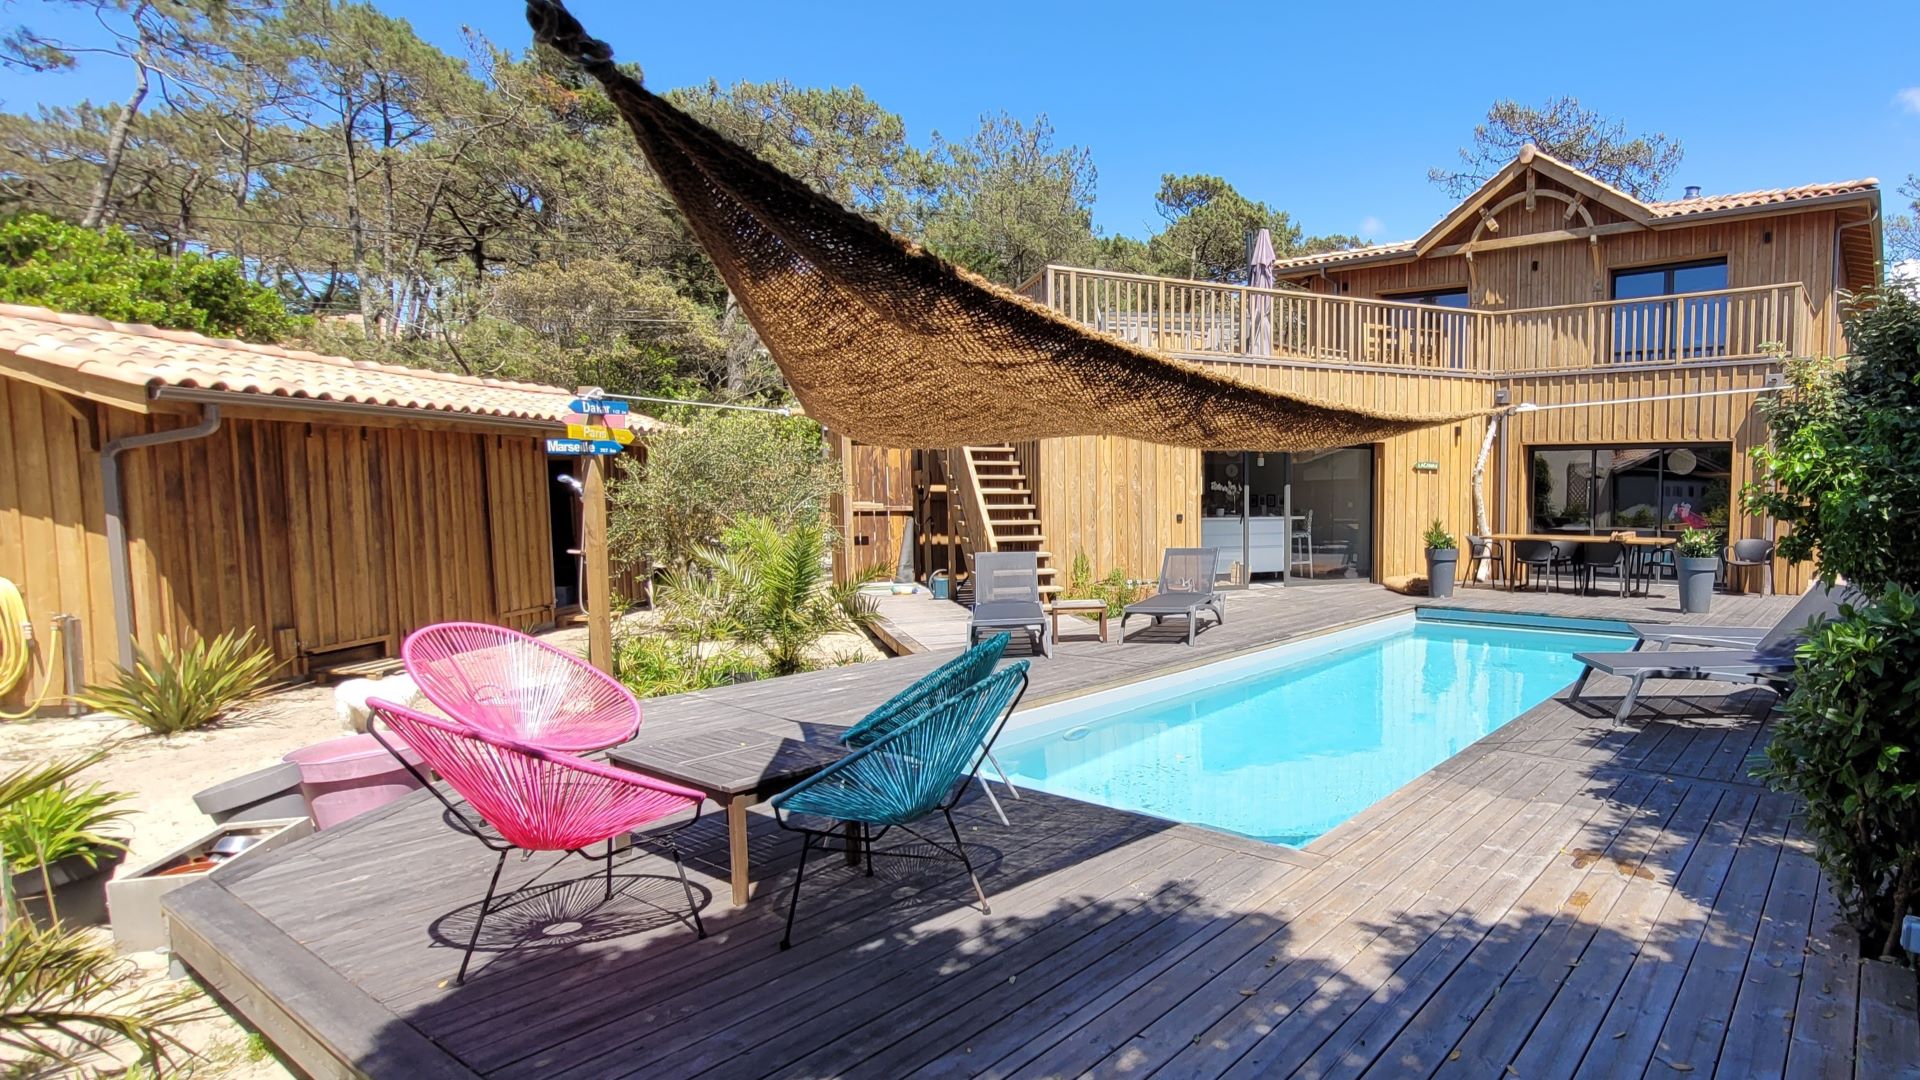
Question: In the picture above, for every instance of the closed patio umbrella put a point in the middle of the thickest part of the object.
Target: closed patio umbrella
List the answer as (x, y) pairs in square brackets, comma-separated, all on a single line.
[(1259, 305)]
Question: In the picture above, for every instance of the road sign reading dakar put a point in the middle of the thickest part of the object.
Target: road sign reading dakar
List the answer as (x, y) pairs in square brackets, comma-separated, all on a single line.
[(598, 406), (582, 446)]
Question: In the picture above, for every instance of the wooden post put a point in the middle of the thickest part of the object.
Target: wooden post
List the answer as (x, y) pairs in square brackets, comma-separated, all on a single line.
[(593, 541)]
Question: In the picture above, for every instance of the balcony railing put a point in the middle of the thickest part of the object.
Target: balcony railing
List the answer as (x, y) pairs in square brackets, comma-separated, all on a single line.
[(1233, 322)]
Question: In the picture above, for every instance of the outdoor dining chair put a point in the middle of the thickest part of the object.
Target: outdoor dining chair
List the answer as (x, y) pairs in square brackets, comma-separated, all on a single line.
[(1744, 555), (1610, 558), (953, 677), (534, 799), (506, 683), (1482, 551), (1539, 558), (919, 769)]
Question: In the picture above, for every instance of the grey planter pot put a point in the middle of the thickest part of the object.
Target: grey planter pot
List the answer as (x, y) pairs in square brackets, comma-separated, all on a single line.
[(79, 890), (1696, 582), (1442, 565)]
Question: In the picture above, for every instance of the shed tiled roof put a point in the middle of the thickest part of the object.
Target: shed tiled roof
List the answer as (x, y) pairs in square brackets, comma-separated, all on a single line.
[(139, 356)]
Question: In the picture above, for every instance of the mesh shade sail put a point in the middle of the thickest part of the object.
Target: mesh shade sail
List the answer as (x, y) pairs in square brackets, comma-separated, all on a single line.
[(893, 346)]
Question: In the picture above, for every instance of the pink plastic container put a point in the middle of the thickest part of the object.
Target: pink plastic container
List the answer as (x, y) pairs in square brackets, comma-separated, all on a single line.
[(344, 778)]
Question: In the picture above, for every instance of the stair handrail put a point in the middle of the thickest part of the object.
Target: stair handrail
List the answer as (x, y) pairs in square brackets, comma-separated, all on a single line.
[(980, 532)]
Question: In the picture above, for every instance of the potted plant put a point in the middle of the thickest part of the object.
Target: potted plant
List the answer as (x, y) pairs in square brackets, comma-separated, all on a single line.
[(1697, 561), (1443, 559), (59, 853)]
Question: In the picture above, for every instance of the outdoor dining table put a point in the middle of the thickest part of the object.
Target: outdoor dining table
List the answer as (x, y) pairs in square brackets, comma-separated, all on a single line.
[(735, 767), (1640, 549)]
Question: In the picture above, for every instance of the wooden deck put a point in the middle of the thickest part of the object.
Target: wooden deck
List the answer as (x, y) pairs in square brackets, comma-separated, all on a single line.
[(1560, 899)]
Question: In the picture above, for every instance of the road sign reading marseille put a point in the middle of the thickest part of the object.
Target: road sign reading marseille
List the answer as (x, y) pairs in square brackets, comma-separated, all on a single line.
[(570, 447), (599, 406)]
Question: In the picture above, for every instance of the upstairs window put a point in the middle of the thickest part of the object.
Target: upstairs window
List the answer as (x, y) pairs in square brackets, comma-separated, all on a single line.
[(1674, 326)]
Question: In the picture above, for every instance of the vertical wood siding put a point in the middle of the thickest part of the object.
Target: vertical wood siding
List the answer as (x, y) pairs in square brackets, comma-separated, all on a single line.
[(317, 535)]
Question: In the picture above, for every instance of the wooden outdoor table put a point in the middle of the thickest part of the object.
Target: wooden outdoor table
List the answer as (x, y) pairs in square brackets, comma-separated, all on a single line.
[(1058, 606), (1642, 546), (735, 767), (1629, 539)]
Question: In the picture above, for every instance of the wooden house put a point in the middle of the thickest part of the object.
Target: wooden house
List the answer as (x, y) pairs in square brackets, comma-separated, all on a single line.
[(1635, 339), (155, 482)]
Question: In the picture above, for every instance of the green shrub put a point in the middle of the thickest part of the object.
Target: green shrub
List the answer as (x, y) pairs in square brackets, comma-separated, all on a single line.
[(1115, 589), (62, 266), (656, 665), (1848, 743), (184, 689), (1842, 470), (714, 470), (1437, 537)]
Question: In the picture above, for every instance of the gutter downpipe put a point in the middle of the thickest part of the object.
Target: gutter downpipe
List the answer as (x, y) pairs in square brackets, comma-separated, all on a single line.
[(114, 502)]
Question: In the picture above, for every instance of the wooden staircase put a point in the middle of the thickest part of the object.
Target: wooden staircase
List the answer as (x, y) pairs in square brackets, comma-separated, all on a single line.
[(977, 498), (1003, 509)]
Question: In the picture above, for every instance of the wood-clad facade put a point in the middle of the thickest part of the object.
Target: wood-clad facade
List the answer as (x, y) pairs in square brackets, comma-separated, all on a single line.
[(1637, 328), (330, 533)]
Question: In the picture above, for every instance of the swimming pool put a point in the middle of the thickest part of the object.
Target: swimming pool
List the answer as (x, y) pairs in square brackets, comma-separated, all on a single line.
[(1284, 744)]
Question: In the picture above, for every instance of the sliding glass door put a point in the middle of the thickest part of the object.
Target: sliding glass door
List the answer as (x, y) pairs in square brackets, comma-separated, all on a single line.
[(1297, 518)]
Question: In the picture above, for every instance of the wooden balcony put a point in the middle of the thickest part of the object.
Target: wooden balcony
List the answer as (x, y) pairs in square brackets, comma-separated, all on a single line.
[(1204, 320)]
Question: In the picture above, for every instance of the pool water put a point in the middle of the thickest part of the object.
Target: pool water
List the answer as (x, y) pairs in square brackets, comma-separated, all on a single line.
[(1302, 738)]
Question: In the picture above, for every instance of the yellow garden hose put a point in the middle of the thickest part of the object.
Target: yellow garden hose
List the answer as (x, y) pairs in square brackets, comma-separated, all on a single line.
[(16, 649)]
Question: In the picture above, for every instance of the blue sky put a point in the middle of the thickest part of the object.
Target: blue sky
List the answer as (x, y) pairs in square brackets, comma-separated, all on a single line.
[(1332, 112)]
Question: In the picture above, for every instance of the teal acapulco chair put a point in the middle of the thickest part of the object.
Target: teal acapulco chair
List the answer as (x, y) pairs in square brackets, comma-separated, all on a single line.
[(948, 679), (920, 768)]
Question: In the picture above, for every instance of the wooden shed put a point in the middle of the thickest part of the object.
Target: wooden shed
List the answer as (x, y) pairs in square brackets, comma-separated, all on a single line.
[(156, 482)]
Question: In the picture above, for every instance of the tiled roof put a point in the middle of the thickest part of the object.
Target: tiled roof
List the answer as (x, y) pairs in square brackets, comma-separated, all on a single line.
[(1669, 208), (1329, 257), (1765, 197), (137, 355)]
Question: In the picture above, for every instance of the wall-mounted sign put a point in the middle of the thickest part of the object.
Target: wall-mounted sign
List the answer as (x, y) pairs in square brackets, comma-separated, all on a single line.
[(572, 447), (599, 407), (1426, 466)]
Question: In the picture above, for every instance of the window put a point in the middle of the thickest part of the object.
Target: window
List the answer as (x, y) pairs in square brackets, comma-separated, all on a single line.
[(1652, 489), (1438, 339), (1673, 326)]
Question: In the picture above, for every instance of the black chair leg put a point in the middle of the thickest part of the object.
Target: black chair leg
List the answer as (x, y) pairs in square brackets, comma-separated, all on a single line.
[(474, 939), (609, 867), (699, 928), (960, 847), (793, 904), (866, 843)]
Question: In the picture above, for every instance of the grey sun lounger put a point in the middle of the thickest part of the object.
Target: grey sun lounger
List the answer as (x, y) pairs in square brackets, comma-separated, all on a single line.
[(1006, 596), (1819, 604), (1768, 661), (1186, 589)]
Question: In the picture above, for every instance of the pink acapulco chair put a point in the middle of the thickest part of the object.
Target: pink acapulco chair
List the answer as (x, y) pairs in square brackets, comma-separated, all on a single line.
[(501, 681), (535, 799)]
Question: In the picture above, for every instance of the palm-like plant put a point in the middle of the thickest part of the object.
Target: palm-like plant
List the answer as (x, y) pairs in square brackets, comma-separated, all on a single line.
[(184, 688), (64, 995), (778, 591), (59, 822)]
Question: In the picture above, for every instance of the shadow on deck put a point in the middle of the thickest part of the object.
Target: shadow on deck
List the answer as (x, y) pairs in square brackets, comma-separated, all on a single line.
[(1564, 897)]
